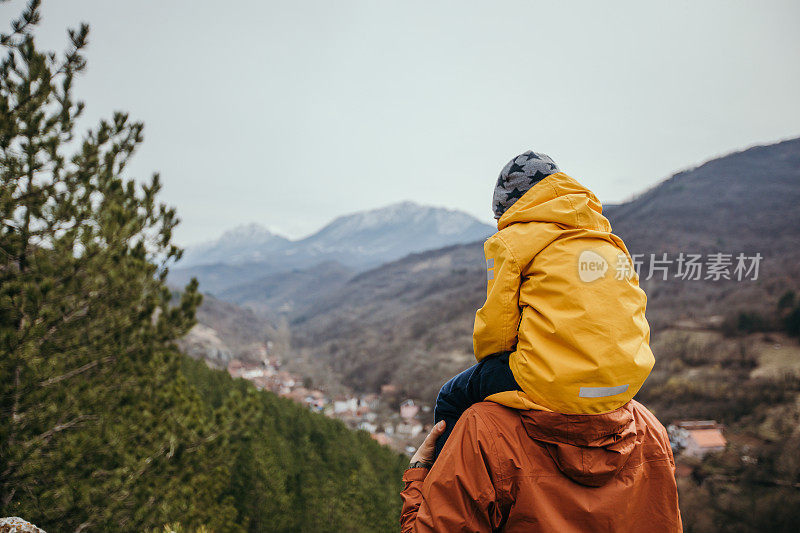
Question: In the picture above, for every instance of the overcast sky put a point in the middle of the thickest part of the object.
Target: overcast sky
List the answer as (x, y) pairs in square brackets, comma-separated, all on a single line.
[(291, 113)]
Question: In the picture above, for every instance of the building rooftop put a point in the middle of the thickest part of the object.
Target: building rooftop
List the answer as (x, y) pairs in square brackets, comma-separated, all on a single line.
[(697, 424), (708, 438)]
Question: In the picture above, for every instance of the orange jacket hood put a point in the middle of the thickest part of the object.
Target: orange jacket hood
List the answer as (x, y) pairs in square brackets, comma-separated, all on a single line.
[(589, 449)]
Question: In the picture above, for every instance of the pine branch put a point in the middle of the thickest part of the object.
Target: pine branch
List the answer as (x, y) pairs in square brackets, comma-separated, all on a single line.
[(47, 435), (79, 370)]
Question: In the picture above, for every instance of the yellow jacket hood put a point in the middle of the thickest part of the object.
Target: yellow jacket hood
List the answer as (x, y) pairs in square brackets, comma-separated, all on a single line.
[(558, 199), (562, 296)]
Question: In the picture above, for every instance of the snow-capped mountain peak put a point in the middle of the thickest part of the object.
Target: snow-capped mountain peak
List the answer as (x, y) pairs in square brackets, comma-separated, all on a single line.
[(249, 233), (358, 240)]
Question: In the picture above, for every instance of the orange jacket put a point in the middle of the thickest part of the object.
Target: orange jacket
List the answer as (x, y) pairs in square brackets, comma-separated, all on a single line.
[(509, 470)]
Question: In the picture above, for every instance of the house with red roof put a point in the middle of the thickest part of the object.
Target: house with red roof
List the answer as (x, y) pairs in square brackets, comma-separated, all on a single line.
[(696, 438)]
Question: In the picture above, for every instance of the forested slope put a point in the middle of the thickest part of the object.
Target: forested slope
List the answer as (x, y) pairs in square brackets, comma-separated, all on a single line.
[(292, 470)]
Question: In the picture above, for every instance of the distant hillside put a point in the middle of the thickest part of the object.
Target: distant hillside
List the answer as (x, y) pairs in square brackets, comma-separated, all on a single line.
[(244, 244), (408, 322), (289, 292), (225, 331), (358, 241), (376, 236), (743, 202)]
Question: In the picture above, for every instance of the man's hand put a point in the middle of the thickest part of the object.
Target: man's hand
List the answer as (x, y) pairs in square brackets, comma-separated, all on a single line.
[(424, 453)]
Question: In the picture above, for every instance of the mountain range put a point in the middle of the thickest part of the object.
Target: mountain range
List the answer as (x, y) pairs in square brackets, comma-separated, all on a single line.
[(356, 242)]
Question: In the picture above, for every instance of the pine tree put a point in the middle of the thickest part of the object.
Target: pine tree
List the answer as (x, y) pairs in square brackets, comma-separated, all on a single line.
[(100, 430)]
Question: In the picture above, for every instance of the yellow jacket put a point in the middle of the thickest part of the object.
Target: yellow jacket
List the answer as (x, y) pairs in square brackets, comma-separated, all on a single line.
[(563, 296)]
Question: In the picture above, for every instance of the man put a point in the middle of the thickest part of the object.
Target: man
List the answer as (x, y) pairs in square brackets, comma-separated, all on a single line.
[(511, 470), (562, 349)]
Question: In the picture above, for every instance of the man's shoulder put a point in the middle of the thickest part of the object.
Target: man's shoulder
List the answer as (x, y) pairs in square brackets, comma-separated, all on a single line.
[(644, 414), (490, 416), (648, 423)]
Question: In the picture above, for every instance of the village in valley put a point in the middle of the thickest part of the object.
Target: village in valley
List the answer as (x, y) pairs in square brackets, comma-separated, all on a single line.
[(399, 423)]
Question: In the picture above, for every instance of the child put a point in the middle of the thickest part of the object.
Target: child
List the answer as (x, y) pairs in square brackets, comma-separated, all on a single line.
[(563, 327)]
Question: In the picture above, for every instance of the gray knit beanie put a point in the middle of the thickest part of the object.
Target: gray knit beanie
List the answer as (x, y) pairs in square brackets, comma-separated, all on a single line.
[(518, 176)]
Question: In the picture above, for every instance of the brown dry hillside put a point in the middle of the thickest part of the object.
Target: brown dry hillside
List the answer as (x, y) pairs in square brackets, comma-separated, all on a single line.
[(408, 322), (745, 202)]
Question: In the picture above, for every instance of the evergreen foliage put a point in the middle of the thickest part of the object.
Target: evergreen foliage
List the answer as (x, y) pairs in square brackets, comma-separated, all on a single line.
[(106, 426), (283, 457)]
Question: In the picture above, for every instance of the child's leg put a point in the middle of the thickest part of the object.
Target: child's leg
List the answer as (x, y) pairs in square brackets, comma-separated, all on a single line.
[(490, 376)]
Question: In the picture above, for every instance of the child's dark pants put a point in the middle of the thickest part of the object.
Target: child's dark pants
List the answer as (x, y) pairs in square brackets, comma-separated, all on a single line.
[(490, 376)]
